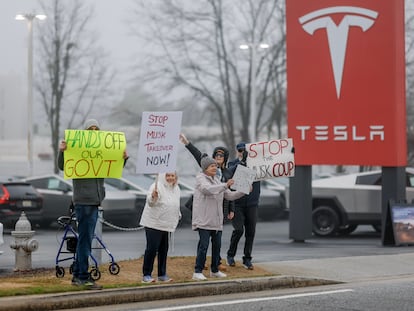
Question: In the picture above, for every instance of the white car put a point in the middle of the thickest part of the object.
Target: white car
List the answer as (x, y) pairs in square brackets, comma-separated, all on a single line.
[(341, 203)]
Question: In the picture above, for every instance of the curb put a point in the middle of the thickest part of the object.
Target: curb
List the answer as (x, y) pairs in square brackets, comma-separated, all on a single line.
[(95, 298)]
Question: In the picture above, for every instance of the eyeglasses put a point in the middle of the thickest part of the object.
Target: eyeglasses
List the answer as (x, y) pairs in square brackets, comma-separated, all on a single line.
[(241, 150), (219, 155)]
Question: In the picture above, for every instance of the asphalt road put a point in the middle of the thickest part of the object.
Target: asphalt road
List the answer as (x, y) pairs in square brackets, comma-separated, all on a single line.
[(272, 243), (377, 295)]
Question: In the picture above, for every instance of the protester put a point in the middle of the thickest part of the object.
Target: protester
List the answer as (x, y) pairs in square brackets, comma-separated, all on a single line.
[(221, 156), (160, 218), (245, 216), (207, 217), (88, 194)]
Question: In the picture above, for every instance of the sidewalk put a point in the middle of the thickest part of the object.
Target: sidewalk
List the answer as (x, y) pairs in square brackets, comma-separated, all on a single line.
[(295, 273)]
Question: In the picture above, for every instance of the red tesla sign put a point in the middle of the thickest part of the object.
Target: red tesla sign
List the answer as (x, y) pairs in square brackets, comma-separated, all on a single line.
[(346, 81)]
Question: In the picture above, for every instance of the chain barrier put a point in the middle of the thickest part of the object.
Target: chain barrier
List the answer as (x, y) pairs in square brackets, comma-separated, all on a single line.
[(105, 222)]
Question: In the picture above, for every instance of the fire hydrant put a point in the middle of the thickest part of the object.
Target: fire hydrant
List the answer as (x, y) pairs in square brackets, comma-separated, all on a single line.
[(23, 243)]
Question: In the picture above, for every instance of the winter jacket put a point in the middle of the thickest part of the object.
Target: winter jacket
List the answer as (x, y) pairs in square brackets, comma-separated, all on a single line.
[(164, 213), (251, 199), (226, 173), (208, 202), (86, 191)]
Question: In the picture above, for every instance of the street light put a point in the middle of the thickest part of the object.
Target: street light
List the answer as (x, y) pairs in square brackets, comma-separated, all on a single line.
[(30, 17), (254, 47)]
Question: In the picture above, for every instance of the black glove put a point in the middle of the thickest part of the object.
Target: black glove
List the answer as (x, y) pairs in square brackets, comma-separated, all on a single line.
[(244, 158)]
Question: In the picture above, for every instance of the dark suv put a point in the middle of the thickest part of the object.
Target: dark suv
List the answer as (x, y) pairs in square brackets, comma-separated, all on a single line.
[(16, 197)]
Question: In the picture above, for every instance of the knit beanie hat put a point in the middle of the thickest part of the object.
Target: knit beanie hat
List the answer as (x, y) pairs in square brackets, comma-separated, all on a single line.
[(91, 122), (206, 162)]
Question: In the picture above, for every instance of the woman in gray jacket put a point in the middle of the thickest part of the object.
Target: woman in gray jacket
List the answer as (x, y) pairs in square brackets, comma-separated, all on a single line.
[(208, 216)]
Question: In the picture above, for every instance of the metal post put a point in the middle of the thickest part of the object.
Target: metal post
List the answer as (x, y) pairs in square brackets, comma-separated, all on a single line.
[(30, 95), (300, 207), (29, 18), (253, 94)]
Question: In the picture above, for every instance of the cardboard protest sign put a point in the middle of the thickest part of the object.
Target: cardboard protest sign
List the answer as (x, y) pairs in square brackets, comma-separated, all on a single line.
[(243, 178), (158, 144), (269, 159), (94, 154)]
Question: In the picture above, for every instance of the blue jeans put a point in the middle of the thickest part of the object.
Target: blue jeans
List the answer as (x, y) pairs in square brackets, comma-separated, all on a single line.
[(202, 248), (86, 216)]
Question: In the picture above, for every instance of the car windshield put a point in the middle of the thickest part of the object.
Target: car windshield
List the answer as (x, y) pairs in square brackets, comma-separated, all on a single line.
[(20, 190)]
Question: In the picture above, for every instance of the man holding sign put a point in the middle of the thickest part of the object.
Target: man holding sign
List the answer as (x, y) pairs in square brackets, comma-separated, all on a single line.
[(88, 190), (245, 216)]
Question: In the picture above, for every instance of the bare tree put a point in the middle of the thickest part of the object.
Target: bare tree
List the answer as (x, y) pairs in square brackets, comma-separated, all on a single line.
[(194, 46), (409, 39), (72, 72)]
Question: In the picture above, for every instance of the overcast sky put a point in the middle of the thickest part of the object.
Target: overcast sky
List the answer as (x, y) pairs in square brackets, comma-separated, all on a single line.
[(109, 23)]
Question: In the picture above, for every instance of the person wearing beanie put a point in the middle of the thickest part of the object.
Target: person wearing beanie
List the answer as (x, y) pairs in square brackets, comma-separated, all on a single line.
[(207, 217), (91, 124), (245, 215), (88, 194), (160, 219), (221, 156)]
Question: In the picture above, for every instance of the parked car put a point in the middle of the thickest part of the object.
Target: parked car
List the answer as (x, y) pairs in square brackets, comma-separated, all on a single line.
[(144, 181), (341, 203), (17, 197), (119, 207)]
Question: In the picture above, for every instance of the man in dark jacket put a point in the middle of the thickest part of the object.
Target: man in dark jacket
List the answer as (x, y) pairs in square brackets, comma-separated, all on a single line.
[(88, 194), (245, 215)]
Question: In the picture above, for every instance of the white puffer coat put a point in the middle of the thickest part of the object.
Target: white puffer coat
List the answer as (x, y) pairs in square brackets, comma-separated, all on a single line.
[(164, 213)]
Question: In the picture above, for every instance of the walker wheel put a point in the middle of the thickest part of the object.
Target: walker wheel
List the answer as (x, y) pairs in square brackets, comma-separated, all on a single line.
[(60, 272), (114, 268), (95, 274)]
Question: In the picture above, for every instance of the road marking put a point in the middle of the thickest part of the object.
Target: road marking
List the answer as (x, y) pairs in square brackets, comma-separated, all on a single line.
[(212, 304)]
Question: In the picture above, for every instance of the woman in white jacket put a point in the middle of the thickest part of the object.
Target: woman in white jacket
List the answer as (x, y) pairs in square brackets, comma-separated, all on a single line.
[(160, 217)]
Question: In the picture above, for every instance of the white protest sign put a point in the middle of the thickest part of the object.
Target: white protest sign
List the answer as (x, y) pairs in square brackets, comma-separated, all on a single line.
[(158, 144), (270, 159), (243, 178)]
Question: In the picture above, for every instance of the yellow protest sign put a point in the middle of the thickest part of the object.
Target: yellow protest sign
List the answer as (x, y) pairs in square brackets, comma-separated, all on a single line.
[(94, 154)]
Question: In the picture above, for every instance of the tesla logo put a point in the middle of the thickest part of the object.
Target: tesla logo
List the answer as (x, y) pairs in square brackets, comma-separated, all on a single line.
[(338, 34)]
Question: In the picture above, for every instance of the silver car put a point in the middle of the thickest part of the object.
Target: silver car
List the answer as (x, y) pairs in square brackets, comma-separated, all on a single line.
[(119, 208), (341, 203)]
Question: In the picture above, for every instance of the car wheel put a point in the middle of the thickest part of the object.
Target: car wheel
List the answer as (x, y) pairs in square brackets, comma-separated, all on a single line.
[(325, 221), (377, 228), (347, 229)]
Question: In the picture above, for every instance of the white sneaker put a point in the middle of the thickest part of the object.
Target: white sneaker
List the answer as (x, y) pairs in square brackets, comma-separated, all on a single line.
[(218, 274), (199, 277)]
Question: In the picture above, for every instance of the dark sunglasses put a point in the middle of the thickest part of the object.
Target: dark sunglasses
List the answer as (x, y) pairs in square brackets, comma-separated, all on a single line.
[(220, 155), (241, 150)]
